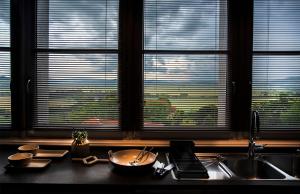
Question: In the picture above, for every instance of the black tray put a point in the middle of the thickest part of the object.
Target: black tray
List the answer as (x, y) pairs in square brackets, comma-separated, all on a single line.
[(186, 164)]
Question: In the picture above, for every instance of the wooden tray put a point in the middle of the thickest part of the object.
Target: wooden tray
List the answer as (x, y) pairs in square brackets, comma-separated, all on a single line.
[(51, 153), (34, 164)]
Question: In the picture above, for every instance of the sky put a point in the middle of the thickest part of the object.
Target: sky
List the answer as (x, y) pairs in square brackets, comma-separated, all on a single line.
[(174, 25), (4, 23), (4, 39), (279, 30), (184, 25), (189, 24)]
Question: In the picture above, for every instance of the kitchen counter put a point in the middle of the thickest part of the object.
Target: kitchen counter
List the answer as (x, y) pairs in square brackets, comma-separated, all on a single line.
[(231, 143), (69, 176)]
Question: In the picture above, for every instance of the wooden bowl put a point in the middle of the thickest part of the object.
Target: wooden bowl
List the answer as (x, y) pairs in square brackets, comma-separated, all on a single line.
[(123, 160), (29, 149), (20, 159)]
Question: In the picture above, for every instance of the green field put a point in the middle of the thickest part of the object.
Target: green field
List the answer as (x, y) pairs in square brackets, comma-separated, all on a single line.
[(5, 110), (191, 104), (5, 103), (185, 98), (166, 105), (181, 90)]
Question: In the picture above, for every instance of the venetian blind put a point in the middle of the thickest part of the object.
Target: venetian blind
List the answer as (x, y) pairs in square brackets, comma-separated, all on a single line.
[(77, 64), (5, 96), (185, 64), (276, 63)]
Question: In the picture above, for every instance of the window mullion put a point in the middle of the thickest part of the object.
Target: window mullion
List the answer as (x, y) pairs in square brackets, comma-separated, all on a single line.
[(240, 62), (22, 51), (130, 64)]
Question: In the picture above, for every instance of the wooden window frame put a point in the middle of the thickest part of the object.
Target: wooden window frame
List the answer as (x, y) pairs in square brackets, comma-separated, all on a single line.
[(131, 32)]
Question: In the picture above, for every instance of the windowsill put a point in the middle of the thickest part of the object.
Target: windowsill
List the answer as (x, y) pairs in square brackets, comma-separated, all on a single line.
[(154, 143)]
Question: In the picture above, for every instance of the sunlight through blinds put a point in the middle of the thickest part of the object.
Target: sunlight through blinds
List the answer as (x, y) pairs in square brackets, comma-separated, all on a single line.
[(5, 95), (276, 63), (77, 64), (185, 64)]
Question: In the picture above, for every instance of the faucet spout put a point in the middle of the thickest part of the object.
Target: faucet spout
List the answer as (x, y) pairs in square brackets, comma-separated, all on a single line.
[(254, 129)]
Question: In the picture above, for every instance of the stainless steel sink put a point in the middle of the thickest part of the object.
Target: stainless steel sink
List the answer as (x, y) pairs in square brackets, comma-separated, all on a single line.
[(216, 170), (240, 167), (245, 168), (289, 163)]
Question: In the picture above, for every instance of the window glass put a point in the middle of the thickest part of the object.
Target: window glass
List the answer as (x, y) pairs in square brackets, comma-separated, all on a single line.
[(5, 95), (276, 63), (77, 64), (185, 63)]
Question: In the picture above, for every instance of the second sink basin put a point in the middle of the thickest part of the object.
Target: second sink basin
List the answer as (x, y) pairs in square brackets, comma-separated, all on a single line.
[(252, 169), (289, 163)]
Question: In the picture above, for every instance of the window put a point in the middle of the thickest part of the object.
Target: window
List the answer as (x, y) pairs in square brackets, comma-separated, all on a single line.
[(276, 63), (77, 64), (5, 96), (185, 64), (149, 68)]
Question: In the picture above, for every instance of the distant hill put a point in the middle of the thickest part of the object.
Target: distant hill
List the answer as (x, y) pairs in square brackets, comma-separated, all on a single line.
[(4, 82), (80, 82), (184, 82), (289, 82), (293, 78)]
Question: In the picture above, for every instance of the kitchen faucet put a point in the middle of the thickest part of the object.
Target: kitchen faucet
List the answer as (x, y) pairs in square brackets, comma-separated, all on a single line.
[(252, 146)]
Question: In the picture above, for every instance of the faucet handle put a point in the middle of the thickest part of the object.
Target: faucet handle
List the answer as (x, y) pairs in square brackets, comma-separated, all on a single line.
[(259, 146)]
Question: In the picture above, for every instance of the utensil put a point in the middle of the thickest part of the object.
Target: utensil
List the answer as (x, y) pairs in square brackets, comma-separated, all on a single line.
[(140, 156), (92, 160)]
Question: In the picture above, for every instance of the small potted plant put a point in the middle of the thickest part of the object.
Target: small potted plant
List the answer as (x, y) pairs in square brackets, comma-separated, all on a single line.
[(80, 147)]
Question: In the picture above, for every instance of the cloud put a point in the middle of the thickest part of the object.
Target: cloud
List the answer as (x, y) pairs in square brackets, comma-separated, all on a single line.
[(183, 25), (79, 66), (277, 25), (199, 68), (267, 69), (4, 23), (83, 24), (5, 64)]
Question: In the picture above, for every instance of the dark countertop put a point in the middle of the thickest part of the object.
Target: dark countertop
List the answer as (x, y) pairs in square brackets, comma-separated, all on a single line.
[(65, 172)]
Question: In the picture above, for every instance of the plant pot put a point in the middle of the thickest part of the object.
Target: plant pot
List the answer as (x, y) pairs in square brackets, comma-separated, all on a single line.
[(80, 150)]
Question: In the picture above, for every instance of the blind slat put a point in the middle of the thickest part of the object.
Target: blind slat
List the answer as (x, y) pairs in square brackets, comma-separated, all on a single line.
[(185, 25), (77, 89), (185, 89), (276, 78), (78, 24), (5, 95), (4, 23)]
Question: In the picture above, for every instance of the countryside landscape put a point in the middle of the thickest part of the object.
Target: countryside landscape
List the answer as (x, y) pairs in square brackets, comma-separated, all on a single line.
[(165, 105)]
